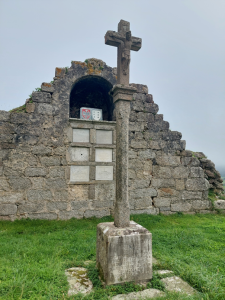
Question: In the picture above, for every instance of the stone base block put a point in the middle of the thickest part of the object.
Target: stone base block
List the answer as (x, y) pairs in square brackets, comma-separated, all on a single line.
[(124, 254)]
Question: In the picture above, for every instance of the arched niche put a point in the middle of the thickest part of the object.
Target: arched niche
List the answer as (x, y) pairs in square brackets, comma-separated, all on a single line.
[(91, 91)]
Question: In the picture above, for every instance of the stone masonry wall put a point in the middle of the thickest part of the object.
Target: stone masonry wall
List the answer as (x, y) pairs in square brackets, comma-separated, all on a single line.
[(164, 177), (34, 164)]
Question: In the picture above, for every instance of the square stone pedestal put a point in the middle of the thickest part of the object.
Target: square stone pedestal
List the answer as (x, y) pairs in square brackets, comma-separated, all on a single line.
[(124, 254)]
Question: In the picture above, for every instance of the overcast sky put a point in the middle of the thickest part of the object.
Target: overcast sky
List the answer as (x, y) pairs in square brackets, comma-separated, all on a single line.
[(182, 60)]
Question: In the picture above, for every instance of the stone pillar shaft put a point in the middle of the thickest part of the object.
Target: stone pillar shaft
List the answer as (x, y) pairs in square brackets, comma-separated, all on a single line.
[(122, 95)]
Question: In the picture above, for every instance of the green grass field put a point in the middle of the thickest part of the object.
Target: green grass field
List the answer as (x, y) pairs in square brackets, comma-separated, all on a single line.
[(35, 253)]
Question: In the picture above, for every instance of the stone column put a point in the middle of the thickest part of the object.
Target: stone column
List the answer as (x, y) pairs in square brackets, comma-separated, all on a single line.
[(122, 95)]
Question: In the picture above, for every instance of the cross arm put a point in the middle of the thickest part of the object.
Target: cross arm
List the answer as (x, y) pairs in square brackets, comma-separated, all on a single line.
[(113, 38)]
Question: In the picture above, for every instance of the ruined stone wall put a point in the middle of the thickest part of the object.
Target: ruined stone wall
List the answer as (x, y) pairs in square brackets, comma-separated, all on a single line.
[(35, 162), (164, 177)]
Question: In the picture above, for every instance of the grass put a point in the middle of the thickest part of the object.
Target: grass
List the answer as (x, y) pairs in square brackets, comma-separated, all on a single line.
[(35, 253)]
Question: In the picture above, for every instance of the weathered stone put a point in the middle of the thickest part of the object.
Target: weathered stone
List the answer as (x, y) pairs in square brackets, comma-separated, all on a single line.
[(219, 204), (66, 215), (197, 172), (138, 144), (30, 208), (35, 172), (41, 97), (39, 195), (197, 184), (167, 192), (124, 254), (180, 184), (141, 88), (45, 109), (78, 281), (146, 154), (162, 183), (79, 192), (181, 206), (8, 209), (167, 160), (60, 205), (149, 211), (43, 216), (50, 161), (12, 198), (96, 213), (146, 294), (186, 195), (105, 191), (19, 183), (57, 172), (4, 185), (4, 115), (56, 183), (143, 193), (30, 107), (47, 87), (161, 172), (176, 284), (180, 172), (151, 107), (76, 205), (160, 202), (41, 150), (201, 204), (190, 161)]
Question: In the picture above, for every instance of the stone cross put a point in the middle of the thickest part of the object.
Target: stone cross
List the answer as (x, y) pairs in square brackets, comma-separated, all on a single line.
[(122, 95), (124, 43)]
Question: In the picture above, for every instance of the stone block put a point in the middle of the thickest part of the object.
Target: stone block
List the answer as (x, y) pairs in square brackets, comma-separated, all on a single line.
[(30, 107), (141, 88), (168, 160), (162, 202), (38, 182), (141, 144), (8, 209), (81, 135), (136, 126), (79, 173), (79, 154), (141, 203), (149, 98), (104, 136), (39, 195), (4, 185), (151, 108), (35, 172), (103, 155), (47, 87), (124, 254), (135, 184), (4, 115), (77, 205), (197, 184), (43, 216), (146, 193), (78, 192), (30, 208), (103, 204), (190, 161), (59, 205), (56, 183), (168, 192), (162, 172), (19, 183), (181, 206), (180, 172), (105, 191), (201, 204), (57, 172), (45, 109), (104, 173), (148, 211), (50, 161), (66, 215), (162, 183), (187, 195), (146, 154), (41, 150), (180, 184), (12, 198), (96, 213), (219, 204), (197, 172), (41, 97)]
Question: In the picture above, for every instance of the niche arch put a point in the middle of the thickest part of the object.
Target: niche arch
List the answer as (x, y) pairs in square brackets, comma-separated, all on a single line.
[(92, 91)]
